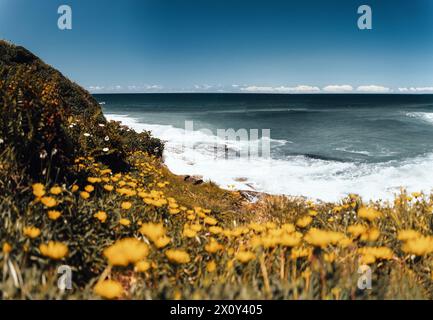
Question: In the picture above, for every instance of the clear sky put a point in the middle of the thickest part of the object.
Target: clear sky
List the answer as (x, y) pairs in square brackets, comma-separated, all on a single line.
[(230, 45)]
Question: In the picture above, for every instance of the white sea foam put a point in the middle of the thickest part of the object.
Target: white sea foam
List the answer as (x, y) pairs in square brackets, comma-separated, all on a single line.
[(295, 175), (425, 116)]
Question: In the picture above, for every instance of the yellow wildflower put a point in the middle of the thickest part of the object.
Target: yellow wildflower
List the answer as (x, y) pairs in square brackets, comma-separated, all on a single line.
[(85, 195), (304, 222), (177, 256), (369, 214), (213, 246), (245, 256), (370, 235), (142, 266), (125, 222), (162, 242), (54, 215), (188, 233), (210, 221), (108, 289), (108, 187), (405, 235), (356, 230), (32, 232), (54, 250), (56, 190), (49, 202), (101, 216), (75, 188), (419, 246), (38, 190), (126, 251), (211, 266), (7, 248), (215, 230), (126, 205), (153, 231), (322, 238), (89, 188)]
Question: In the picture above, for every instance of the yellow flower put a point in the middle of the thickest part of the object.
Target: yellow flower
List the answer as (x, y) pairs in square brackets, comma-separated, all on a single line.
[(93, 180), (32, 232), (304, 222), (356, 230), (85, 195), (290, 240), (173, 211), (49, 202), (416, 194), (322, 238), (56, 190), (245, 256), (312, 213), (213, 246), (101, 216), (188, 233), (369, 214), (142, 266), (211, 266), (379, 253), (177, 256), (125, 222), (367, 259), (195, 227), (215, 230), (210, 221), (405, 235), (419, 246), (370, 235), (54, 250), (54, 215), (126, 205), (75, 188), (162, 242), (108, 187), (6, 248), (89, 188), (38, 190), (126, 251), (108, 289), (153, 231)]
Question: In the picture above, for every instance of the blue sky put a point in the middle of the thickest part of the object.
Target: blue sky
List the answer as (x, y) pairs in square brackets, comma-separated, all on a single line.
[(230, 45)]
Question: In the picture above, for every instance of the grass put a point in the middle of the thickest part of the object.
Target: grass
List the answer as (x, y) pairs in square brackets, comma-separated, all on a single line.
[(201, 242)]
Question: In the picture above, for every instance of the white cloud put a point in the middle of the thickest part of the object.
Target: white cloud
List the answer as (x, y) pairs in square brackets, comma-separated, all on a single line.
[(281, 89), (416, 90), (373, 89), (95, 88), (338, 88)]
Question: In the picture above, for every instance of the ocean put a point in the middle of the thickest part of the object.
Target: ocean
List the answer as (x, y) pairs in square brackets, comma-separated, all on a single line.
[(321, 146)]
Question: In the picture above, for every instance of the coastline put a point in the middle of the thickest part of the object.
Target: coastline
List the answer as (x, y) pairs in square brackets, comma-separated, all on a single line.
[(314, 179)]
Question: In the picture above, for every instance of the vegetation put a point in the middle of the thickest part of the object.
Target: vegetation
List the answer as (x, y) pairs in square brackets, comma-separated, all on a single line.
[(77, 190)]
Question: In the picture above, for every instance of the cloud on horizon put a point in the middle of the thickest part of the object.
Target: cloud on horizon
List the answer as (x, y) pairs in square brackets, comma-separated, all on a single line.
[(237, 88)]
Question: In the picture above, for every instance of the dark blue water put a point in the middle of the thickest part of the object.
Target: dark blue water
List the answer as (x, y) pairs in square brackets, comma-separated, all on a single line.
[(322, 146), (372, 128)]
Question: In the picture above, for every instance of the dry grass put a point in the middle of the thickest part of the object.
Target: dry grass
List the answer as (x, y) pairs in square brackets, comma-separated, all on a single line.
[(279, 248)]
